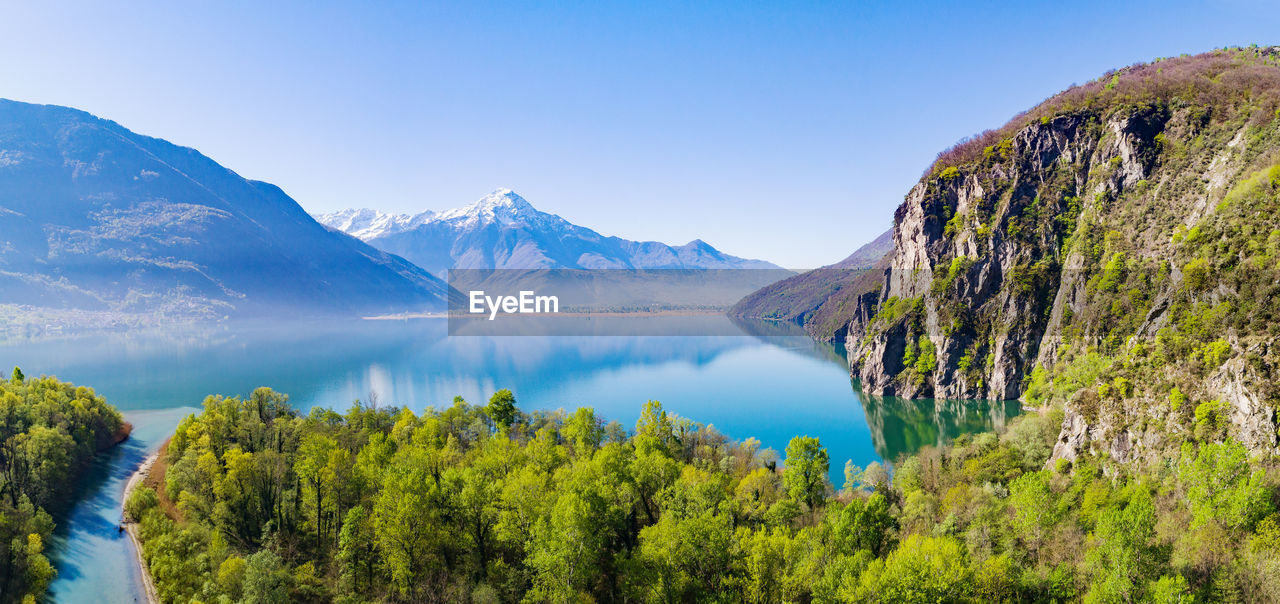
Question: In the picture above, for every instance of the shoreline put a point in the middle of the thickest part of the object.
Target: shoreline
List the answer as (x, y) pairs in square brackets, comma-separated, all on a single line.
[(131, 527)]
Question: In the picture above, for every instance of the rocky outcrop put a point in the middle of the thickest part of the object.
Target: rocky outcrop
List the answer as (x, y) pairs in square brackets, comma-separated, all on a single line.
[(1253, 417), (1016, 288), (1078, 235)]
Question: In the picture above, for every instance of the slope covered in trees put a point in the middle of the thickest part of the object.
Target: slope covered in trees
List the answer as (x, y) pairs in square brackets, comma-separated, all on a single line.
[(49, 431), (490, 504)]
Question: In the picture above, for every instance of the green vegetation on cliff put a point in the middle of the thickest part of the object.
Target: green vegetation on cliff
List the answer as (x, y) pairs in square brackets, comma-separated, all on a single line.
[(49, 432), (490, 504), (1113, 252)]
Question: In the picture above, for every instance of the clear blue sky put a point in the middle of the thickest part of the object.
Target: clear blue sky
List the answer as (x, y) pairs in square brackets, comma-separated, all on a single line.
[(780, 130)]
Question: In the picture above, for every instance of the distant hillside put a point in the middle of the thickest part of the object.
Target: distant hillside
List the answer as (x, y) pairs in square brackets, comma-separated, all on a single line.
[(870, 253), (502, 230), (820, 299), (99, 218)]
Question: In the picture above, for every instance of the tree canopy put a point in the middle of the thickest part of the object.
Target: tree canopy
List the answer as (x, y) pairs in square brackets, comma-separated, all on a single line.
[(49, 432), (477, 503)]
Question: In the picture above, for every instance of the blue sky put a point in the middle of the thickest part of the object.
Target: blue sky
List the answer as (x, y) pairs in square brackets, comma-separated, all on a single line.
[(784, 131)]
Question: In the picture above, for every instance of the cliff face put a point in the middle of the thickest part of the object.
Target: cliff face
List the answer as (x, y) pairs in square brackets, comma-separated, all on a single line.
[(1114, 252)]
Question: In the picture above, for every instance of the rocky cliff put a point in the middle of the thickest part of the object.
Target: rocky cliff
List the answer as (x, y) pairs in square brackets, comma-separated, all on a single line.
[(1113, 251)]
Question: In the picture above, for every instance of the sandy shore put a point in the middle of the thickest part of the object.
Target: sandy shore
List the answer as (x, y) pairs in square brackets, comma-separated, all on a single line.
[(141, 474)]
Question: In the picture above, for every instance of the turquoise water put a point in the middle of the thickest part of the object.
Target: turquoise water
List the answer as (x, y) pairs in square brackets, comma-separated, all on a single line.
[(94, 559), (768, 387)]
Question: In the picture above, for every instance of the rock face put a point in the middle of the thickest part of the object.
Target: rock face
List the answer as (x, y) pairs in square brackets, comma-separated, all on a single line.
[(999, 270), (1252, 413), (1099, 252)]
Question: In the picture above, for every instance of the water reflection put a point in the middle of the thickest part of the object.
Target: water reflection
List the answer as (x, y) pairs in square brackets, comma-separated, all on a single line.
[(747, 386), (900, 427), (410, 363), (770, 383)]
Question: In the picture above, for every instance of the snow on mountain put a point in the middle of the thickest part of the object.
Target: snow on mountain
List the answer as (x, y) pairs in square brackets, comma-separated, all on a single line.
[(503, 206), (503, 230), (365, 223)]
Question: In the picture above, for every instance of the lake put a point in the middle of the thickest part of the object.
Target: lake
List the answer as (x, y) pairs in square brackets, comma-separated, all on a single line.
[(767, 382)]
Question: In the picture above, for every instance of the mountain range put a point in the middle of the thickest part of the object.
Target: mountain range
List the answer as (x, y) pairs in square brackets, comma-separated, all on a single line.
[(502, 230), (96, 217)]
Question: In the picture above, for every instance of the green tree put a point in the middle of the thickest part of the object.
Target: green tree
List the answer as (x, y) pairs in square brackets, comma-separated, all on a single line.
[(312, 466), (1124, 554), (502, 408), (357, 552), (478, 514), (566, 546), (1223, 486), (654, 430), (1171, 590), (47, 454), (140, 501), (756, 492), (405, 519), (266, 579), (805, 474), (686, 559), (231, 577), (764, 565), (585, 430), (1035, 508), (922, 569), (862, 524), (996, 580)]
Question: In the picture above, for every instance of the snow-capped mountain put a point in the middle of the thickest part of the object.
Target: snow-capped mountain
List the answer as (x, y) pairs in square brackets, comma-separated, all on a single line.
[(365, 223), (503, 230)]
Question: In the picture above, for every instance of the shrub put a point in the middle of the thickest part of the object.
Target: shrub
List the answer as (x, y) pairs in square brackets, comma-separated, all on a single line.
[(140, 500), (1215, 353), (1196, 273), (1211, 420)]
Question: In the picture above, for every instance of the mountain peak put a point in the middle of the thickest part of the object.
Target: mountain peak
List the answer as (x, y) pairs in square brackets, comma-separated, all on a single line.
[(505, 198), (502, 205)]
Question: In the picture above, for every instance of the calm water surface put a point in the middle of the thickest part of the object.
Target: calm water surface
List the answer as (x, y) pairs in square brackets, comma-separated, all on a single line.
[(770, 387)]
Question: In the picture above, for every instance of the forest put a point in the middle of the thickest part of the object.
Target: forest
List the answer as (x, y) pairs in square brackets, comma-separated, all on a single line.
[(49, 432), (256, 502)]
